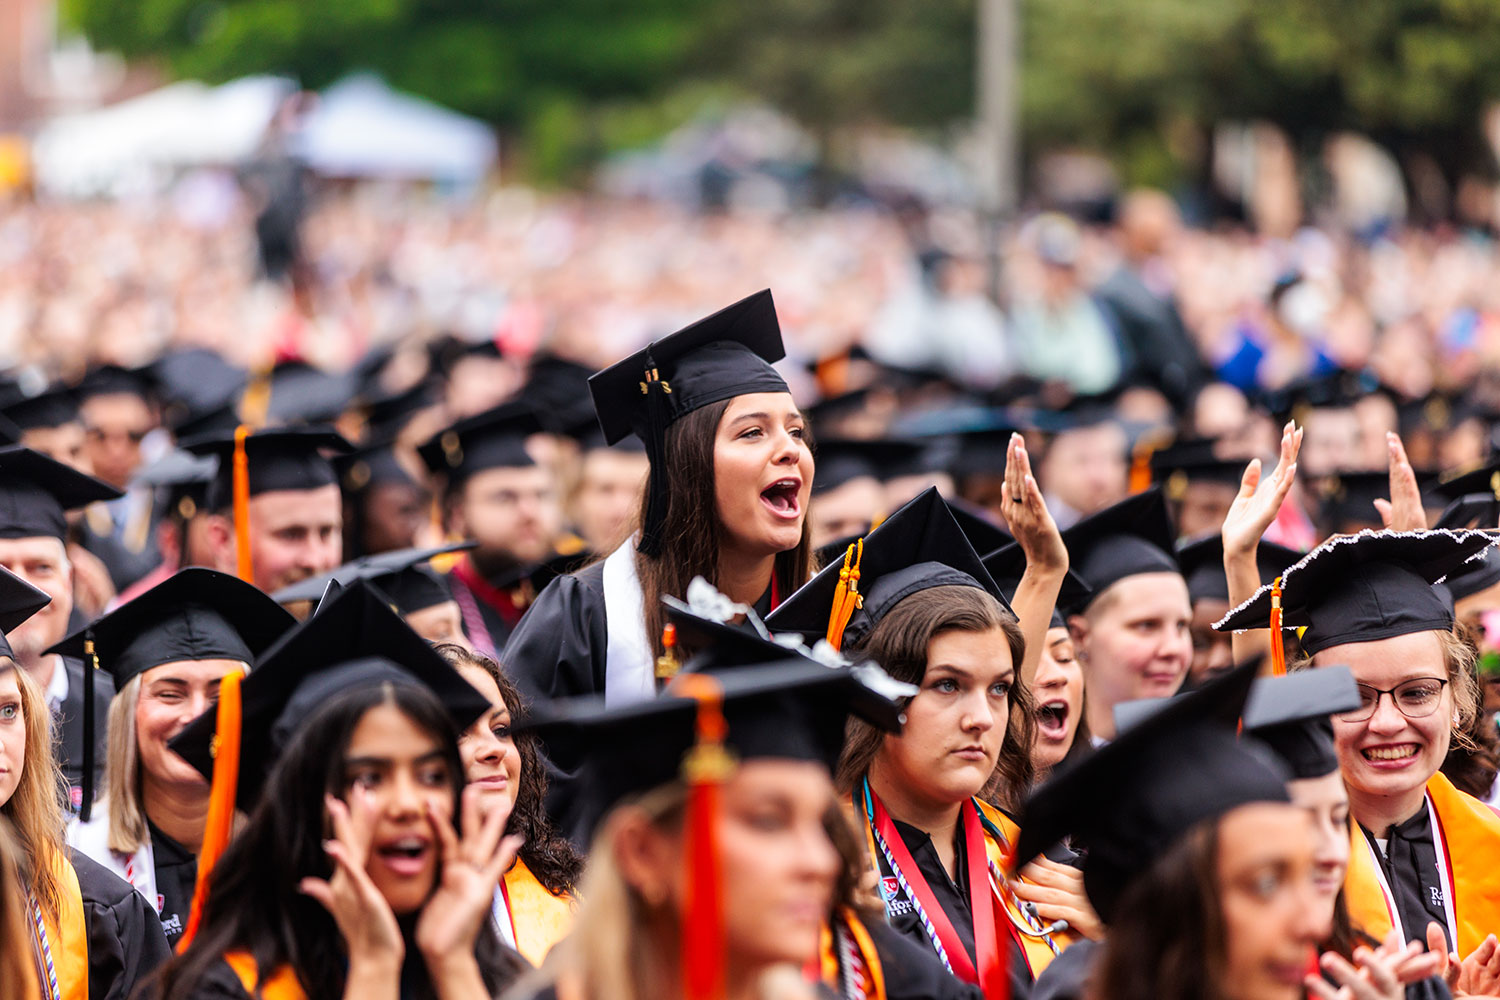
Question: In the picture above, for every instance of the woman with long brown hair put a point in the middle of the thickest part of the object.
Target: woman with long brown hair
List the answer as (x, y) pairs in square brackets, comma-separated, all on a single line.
[(534, 902), (725, 499), (927, 800)]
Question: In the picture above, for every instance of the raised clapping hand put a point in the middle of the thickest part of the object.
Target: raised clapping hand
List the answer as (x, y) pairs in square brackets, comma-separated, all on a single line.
[(1403, 511), (1256, 505), (363, 916), (1376, 974), (472, 867), (1029, 520), (1475, 976)]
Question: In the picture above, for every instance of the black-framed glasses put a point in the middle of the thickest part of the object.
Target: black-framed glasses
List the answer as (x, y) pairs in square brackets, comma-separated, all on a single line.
[(1415, 699)]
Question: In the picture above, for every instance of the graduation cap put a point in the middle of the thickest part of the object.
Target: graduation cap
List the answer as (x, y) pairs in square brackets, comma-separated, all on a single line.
[(1007, 565), (984, 534), (719, 357), (783, 709), (446, 352), (1134, 798), (983, 451), (557, 388), (355, 638), (194, 614), (402, 575), (1131, 537), (1186, 462), (831, 409), (1359, 588), (919, 546), (217, 421), (1333, 390), (193, 382), (182, 479), (1476, 510), (1346, 500), (19, 600), (9, 432), (842, 460), (1481, 573), (280, 458), (113, 380), (494, 439), (387, 413), (1291, 715), (1485, 480), (36, 491), (50, 408), (1202, 563), (371, 465), (304, 393)]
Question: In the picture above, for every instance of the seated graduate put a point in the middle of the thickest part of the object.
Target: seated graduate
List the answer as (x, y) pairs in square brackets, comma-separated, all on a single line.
[(37, 495), (17, 971), (92, 937), (1420, 846), (533, 904), (167, 651), (415, 589), (926, 609), (860, 954), (712, 870), (364, 870), (1202, 564), (726, 499), (1132, 634)]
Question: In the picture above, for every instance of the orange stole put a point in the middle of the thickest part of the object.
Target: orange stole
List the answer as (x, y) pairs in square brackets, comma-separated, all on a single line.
[(539, 918), (281, 986), (1038, 954), (1471, 837), (872, 986), (68, 938)]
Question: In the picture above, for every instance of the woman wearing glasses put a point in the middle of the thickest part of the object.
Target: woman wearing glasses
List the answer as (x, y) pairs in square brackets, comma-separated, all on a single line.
[(1422, 852)]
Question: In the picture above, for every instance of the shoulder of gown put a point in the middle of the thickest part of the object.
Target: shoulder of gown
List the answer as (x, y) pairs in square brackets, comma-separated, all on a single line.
[(126, 943), (558, 648), (913, 972), (1067, 976)]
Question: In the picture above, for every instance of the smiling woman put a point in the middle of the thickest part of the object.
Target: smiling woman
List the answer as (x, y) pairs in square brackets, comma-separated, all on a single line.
[(726, 499)]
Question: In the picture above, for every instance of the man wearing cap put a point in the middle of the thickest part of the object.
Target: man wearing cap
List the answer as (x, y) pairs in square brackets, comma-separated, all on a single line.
[(117, 413), (495, 493), (292, 523), (35, 493)]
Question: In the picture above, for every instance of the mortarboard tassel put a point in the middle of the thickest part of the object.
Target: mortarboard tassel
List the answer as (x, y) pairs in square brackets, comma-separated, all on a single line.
[(1140, 467), (705, 768), (1278, 651), (667, 664), (846, 596), (241, 489), (86, 807), (655, 389), (217, 827)]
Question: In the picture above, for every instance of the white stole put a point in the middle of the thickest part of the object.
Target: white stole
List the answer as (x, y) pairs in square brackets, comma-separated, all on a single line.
[(629, 666)]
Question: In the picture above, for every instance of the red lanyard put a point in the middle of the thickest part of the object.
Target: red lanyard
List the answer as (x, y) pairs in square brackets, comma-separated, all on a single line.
[(991, 977)]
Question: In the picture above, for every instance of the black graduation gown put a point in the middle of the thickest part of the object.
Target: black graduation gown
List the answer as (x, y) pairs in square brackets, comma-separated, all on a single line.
[(126, 944), (176, 875), (498, 623), (558, 650), (912, 971), (68, 720), (953, 896), (1411, 866), (1067, 976)]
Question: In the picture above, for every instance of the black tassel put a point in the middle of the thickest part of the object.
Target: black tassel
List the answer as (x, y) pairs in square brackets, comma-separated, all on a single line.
[(657, 416), (86, 808)]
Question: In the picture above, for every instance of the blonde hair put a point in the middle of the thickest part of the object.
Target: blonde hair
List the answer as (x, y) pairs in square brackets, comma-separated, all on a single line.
[(15, 929), (35, 809), (122, 773)]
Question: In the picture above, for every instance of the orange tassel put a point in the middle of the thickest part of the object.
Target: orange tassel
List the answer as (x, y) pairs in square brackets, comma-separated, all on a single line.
[(706, 767), (846, 596), (241, 485), (221, 796), (1140, 468), (1278, 651)]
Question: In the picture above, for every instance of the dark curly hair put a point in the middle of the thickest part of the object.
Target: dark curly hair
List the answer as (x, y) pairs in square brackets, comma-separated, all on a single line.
[(550, 856)]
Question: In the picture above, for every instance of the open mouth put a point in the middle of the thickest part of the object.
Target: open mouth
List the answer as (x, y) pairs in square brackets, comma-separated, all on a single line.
[(1052, 719), (1401, 751), (405, 856), (781, 497)]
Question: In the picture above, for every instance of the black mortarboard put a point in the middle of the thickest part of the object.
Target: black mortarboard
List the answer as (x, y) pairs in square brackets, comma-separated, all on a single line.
[(1335, 390), (1184, 462), (1485, 479), (982, 451), (303, 393), (53, 407), (401, 575), (194, 614), (9, 432), (719, 357), (113, 380), (370, 465), (35, 491), (918, 547), (446, 352), (1480, 574), (984, 534), (282, 458), (494, 439), (1131, 537), (830, 409), (1290, 714), (354, 639), (19, 600), (1202, 563), (183, 480), (1007, 564), (1476, 510), (214, 422), (557, 388), (195, 382), (1346, 500), (386, 414), (1134, 798), (842, 460), (793, 710), (1359, 588)]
